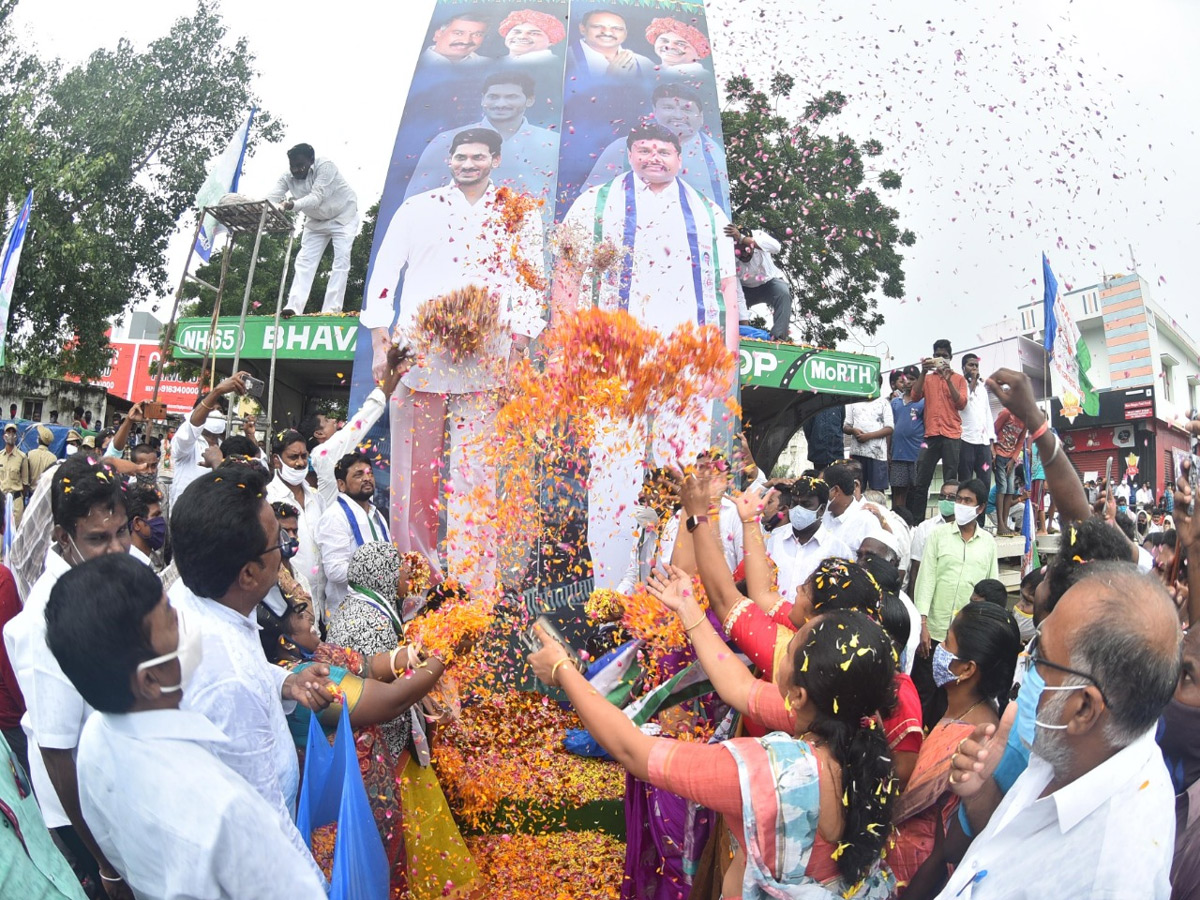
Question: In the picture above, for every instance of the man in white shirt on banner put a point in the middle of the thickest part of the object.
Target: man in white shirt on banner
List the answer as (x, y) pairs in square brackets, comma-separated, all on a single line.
[(456, 238), (173, 819), (679, 269), (204, 427), (330, 210), (677, 106), (601, 52), (351, 521), (455, 42), (229, 547), (798, 547), (1093, 815), (89, 522), (528, 154), (978, 426), (867, 427)]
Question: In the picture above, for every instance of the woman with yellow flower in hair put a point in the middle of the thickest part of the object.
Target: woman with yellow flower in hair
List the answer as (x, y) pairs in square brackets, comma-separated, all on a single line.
[(809, 804)]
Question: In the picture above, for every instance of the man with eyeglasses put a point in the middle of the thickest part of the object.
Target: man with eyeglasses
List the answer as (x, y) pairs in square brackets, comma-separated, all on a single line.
[(88, 505), (1093, 813), (229, 547)]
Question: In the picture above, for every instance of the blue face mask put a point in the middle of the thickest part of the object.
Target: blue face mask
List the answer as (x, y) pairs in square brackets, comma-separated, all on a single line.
[(941, 666), (1027, 704)]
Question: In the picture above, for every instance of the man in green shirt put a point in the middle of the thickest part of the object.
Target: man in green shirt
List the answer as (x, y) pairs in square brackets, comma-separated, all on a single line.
[(31, 867), (954, 559)]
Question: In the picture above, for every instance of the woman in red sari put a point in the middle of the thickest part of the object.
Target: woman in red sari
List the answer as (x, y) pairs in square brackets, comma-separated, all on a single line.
[(809, 804)]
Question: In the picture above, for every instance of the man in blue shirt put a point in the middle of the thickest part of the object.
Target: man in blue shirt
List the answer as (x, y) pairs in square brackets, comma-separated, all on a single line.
[(908, 435)]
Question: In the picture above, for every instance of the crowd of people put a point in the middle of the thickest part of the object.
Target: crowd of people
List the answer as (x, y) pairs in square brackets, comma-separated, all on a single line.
[(903, 729)]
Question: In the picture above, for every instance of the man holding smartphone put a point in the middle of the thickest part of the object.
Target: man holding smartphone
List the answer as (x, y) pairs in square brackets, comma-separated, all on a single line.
[(945, 395)]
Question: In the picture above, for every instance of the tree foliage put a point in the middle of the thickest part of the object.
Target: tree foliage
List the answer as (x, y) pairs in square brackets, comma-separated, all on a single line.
[(114, 150), (815, 194)]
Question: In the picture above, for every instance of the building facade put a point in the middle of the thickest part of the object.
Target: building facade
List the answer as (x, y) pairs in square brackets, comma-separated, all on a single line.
[(1147, 369)]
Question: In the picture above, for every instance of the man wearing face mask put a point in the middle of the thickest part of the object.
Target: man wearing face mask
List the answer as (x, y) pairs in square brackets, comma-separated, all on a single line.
[(799, 547), (1093, 814), (147, 526), (14, 471), (89, 517), (952, 561), (290, 485), (1179, 738), (132, 657), (201, 430), (920, 534), (229, 547)]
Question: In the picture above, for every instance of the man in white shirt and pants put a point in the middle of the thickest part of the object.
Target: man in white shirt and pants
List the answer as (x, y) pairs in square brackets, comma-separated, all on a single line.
[(451, 239), (867, 427), (228, 547), (679, 270), (1093, 815), (330, 210), (173, 819), (978, 426)]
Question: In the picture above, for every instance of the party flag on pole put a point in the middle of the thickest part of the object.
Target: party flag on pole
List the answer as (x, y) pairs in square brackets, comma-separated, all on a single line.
[(223, 176), (9, 257)]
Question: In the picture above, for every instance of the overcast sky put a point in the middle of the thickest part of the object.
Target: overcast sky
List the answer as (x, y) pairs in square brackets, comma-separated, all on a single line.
[(1018, 125)]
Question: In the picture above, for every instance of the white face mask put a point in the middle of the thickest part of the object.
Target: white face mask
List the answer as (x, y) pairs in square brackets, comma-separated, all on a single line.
[(294, 477), (965, 513), (190, 653), (72, 449), (645, 516), (802, 518)]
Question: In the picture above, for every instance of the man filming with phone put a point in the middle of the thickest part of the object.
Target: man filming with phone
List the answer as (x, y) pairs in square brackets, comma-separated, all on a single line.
[(201, 430), (945, 395)]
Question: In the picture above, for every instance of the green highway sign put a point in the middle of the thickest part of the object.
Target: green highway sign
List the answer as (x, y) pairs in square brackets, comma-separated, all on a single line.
[(302, 337), (796, 368), (762, 364)]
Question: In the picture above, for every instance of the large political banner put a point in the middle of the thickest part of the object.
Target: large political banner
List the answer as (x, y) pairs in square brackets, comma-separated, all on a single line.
[(551, 156)]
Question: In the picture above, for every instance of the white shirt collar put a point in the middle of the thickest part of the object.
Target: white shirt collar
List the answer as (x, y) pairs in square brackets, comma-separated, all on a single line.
[(641, 187), (139, 555), (55, 564), (165, 725), (1083, 796)]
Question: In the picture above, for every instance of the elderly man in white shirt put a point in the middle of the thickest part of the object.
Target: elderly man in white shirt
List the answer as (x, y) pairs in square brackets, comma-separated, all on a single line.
[(90, 521), (679, 270), (351, 521), (679, 106), (846, 516), (978, 426), (456, 238), (203, 428), (798, 547), (330, 209), (528, 154), (1093, 815), (171, 817), (229, 547)]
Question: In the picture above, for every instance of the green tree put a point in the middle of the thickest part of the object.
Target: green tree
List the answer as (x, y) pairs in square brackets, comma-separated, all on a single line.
[(813, 192), (114, 150)]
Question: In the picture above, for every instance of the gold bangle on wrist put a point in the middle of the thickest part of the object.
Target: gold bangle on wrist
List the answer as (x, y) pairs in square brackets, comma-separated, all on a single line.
[(554, 671), (688, 628)]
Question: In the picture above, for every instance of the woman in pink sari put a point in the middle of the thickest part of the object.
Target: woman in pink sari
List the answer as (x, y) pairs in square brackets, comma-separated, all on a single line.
[(808, 805)]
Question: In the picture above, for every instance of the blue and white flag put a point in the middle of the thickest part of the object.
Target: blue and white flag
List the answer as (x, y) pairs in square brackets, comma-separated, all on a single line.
[(1029, 559), (8, 267), (222, 179), (10, 527)]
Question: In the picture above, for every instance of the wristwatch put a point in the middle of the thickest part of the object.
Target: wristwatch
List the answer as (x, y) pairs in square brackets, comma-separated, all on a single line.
[(693, 522)]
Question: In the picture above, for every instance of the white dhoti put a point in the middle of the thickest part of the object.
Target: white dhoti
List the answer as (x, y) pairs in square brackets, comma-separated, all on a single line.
[(318, 233), (620, 454)]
